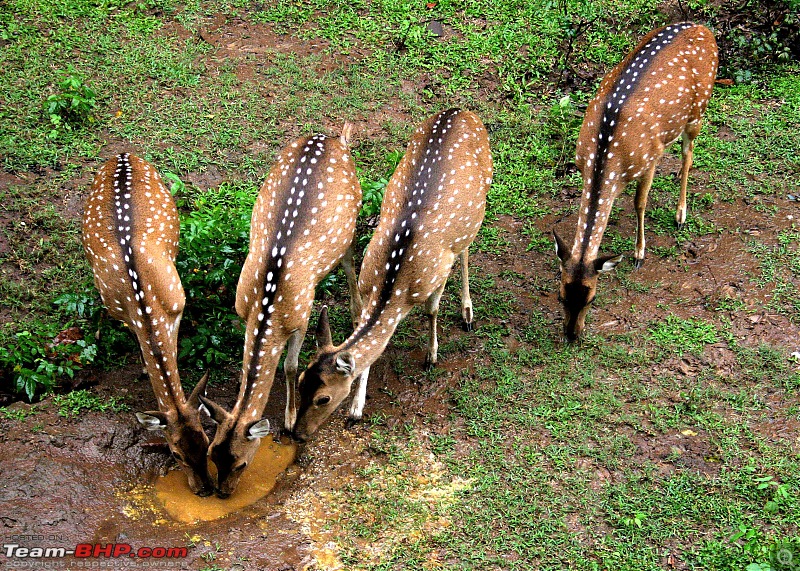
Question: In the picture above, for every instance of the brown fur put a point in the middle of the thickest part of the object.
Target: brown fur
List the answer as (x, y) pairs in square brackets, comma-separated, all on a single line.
[(657, 94), (140, 222), (432, 210), (294, 259)]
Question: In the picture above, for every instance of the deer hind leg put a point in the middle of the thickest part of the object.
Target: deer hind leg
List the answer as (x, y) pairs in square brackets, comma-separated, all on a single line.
[(642, 190), (432, 309), (687, 149), (290, 372), (466, 301), (356, 412), (349, 267)]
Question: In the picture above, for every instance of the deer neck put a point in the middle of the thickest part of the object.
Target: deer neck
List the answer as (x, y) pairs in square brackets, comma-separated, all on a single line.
[(375, 329), (155, 327), (257, 378), (595, 208)]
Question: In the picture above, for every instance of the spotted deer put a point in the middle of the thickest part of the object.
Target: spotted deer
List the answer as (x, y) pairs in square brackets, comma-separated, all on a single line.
[(130, 236), (432, 209), (302, 226), (656, 95)]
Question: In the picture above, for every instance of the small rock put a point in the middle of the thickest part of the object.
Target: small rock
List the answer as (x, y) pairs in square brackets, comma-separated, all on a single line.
[(435, 28)]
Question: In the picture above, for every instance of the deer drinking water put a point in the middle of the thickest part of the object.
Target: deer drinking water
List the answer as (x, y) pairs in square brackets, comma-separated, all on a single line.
[(432, 209), (656, 95), (302, 226), (130, 235)]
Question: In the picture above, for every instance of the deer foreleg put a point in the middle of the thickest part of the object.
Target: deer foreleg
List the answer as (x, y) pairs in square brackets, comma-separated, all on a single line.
[(357, 406), (349, 267), (290, 372), (687, 148), (466, 301), (432, 309), (642, 190)]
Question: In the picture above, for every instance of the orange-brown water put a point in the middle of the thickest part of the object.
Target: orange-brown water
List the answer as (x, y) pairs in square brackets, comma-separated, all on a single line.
[(182, 505)]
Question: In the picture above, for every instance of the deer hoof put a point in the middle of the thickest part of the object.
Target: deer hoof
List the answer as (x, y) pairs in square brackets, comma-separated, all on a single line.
[(429, 364), (467, 326), (351, 422), (638, 262)]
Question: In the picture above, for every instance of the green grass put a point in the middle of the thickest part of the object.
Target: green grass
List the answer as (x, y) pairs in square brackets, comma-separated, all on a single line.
[(72, 404), (603, 455), (676, 335)]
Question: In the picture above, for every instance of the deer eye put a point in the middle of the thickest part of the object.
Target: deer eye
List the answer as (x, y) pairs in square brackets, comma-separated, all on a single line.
[(322, 401)]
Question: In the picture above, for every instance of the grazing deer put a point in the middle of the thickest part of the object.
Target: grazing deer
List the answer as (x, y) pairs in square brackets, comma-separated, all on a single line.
[(432, 210), (302, 226), (656, 95), (130, 235)]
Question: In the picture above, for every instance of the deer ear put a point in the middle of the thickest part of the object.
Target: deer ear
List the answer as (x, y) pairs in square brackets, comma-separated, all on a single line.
[(199, 390), (216, 412), (345, 363), (323, 329), (607, 263), (561, 248), (152, 420), (258, 429)]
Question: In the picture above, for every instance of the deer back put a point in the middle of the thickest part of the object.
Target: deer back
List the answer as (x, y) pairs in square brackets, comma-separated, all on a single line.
[(643, 104), (130, 235), (303, 222), (432, 210)]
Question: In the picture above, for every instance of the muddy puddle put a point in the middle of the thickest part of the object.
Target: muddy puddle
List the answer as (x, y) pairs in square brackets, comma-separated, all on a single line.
[(181, 505)]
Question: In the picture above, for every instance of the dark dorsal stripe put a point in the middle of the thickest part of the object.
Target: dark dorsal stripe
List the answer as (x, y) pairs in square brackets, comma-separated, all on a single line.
[(417, 201), (626, 83), (304, 178), (125, 227)]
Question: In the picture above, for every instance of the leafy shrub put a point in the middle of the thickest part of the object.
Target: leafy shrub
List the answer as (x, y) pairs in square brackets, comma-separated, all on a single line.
[(214, 244), (34, 362), (72, 107), (753, 35)]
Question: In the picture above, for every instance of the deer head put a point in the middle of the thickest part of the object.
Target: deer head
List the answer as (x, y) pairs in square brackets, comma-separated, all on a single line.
[(579, 286), (186, 438), (325, 384), (235, 443)]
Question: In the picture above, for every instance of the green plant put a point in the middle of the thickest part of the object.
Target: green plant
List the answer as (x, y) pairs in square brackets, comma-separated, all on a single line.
[(682, 335), (634, 520), (35, 362), (372, 197), (372, 191), (213, 246), (72, 106), (563, 123), (17, 414), (781, 492), (73, 403)]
